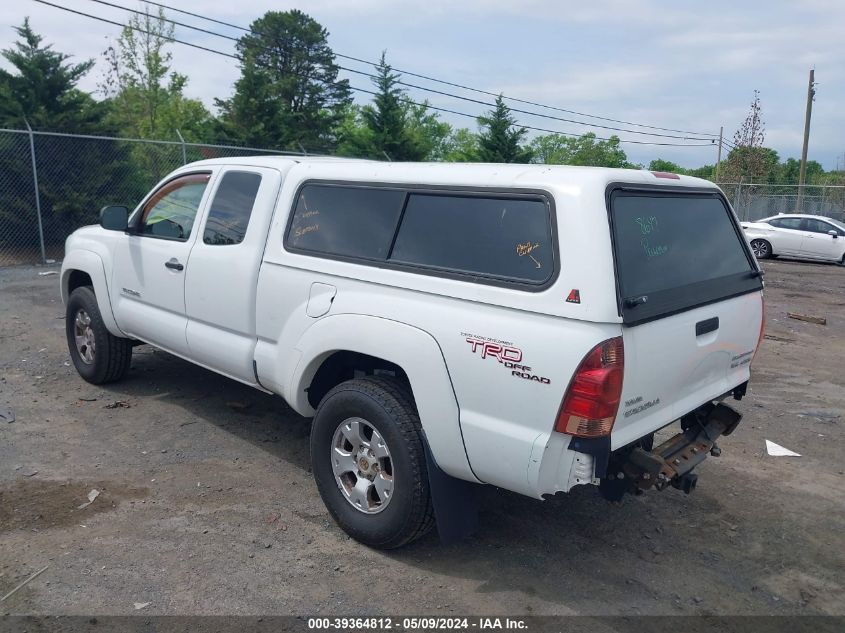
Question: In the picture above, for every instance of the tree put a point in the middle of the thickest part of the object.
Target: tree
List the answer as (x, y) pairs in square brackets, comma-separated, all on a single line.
[(749, 161), (499, 139), (386, 116), (42, 88), (431, 135), (552, 149), (147, 100), (790, 168), (392, 126), (288, 93), (72, 174), (354, 138), (461, 146), (705, 171), (660, 164), (585, 150)]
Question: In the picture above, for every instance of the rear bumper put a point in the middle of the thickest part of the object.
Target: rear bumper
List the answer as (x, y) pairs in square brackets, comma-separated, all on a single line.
[(558, 461), (638, 468)]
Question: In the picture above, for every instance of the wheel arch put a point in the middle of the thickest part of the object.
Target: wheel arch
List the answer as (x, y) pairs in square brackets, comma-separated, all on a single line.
[(85, 268), (343, 365), (328, 346)]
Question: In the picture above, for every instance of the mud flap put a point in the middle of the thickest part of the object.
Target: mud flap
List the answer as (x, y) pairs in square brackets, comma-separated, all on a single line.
[(455, 502)]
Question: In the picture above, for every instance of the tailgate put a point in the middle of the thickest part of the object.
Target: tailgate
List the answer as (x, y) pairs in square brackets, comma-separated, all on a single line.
[(675, 364), (690, 296)]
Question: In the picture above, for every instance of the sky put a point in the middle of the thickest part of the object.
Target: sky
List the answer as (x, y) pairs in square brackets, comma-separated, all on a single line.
[(684, 65)]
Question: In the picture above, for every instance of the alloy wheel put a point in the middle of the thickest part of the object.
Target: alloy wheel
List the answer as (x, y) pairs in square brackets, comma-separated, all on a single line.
[(362, 465), (83, 335)]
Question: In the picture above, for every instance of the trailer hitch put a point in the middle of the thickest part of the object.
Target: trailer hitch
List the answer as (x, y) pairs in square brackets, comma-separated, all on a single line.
[(637, 470)]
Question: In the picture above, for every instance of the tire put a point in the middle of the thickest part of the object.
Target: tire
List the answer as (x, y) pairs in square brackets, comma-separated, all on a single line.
[(762, 249), (376, 519), (108, 358)]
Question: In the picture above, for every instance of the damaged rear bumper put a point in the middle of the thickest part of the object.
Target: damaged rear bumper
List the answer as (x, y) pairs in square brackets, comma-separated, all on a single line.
[(638, 468)]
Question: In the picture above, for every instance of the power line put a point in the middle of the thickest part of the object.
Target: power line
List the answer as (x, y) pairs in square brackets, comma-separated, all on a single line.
[(364, 90), (443, 81), (423, 88)]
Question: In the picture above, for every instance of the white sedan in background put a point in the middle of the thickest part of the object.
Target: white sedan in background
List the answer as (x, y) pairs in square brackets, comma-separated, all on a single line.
[(797, 235)]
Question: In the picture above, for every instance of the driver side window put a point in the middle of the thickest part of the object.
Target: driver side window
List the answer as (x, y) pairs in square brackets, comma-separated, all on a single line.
[(171, 211)]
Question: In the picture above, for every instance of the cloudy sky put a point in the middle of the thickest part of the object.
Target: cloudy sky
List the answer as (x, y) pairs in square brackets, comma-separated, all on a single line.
[(683, 65)]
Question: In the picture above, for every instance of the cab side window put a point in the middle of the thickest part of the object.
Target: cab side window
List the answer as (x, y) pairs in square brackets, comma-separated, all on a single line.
[(787, 223), (505, 238), (171, 211), (231, 208)]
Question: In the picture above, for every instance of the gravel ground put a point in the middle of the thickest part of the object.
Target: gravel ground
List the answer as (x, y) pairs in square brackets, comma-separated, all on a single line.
[(207, 505)]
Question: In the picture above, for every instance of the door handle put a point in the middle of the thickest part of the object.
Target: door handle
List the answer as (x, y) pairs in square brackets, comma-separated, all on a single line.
[(708, 325), (174, 264)]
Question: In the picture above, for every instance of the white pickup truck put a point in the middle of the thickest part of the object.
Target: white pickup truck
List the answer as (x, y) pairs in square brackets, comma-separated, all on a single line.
[(528, 327)]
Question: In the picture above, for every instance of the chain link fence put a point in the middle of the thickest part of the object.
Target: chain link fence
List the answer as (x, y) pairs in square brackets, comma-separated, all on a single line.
[(51, 183), (752, 202)]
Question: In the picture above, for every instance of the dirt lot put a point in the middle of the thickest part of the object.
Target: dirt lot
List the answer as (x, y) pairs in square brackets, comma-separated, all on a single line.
[(207, 505)]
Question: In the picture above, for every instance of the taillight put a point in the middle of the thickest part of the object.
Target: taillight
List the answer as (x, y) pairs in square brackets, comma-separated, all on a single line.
[(762, 326), (592, 400)]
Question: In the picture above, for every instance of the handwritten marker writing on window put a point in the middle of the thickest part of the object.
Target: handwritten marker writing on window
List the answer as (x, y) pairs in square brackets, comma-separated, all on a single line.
[(647, 225), (525, 249), (653, 251), (307, 229)]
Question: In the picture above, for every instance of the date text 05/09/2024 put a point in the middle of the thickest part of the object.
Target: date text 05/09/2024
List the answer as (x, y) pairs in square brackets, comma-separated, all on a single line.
[(416, 623)]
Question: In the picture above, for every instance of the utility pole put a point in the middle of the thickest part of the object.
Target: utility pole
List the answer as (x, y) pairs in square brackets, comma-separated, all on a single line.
[(811, 93), (719, 154)]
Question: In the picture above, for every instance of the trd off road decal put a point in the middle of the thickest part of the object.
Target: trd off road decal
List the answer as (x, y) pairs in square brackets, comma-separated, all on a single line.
[(505, 353)]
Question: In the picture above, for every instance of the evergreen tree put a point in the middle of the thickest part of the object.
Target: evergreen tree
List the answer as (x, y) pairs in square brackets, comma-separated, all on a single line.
[(500, 139), (73, 175), (42, 88), (393, 127), (288, 93), (389, 119), (386, 116)]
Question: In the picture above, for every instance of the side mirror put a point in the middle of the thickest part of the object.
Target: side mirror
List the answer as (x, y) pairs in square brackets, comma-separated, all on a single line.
[(114, 218), (833, 232)]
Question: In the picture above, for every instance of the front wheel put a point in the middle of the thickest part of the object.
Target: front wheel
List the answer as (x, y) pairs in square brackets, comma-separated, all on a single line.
[(762, 249), (368, 461), (97, 354)]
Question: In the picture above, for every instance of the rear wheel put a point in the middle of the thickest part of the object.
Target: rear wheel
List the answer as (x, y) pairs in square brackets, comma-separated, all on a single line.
[(369, 463), (762, 249), (97, 354)]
